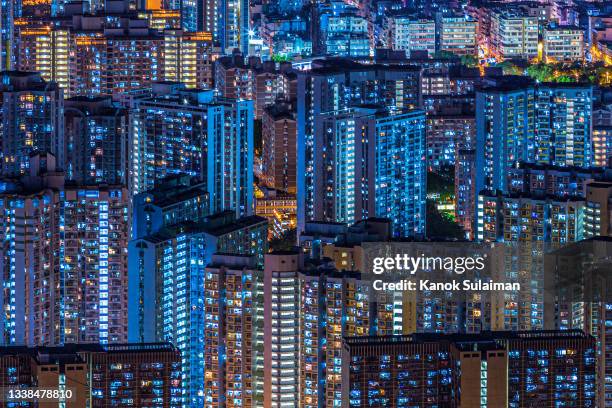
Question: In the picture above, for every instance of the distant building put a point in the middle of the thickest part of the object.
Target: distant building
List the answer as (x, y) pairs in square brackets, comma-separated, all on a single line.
[(107, 55), (598, 217), (32, 119), (64, 251), (465, 184), (279, 140), (96, 375), (348, 35), (456, 34), (494, 369), (514, 34), (563, 43), (179, 131), (411, 34), (96, 139)]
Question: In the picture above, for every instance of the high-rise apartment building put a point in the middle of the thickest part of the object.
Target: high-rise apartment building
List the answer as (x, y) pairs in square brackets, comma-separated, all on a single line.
[(102, 54), (263, 83), (456, 34), (530, 219), (504, 131), (65, 254), (448, 132), (279, 140), (358, 172), (167, 287), (228, 22), (347, 35), (178, 131), (336, 86), (96, 141), (45, 50), (411, 34), (563, 43), (584, 264), (563, 124), (598, 212), (465, 185), (350, 308), (174, 200), (32, 119), (602, 145), (233, 336), (281, 330), (97, 375), (189, 58), (514, 34), (555, 181), (516, 121), (492, 369)]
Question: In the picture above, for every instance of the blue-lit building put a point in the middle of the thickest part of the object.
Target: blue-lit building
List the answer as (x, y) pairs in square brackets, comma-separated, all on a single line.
[(228, 21), (518, 121), (347, 35), (31, 119), (401, 172), (174, 200), (96, 141), (563, 124), (9, 9), (368, 163), (63, 259), (492, 369), (504, 131), (337, 85), (192, 132), (166, 283)]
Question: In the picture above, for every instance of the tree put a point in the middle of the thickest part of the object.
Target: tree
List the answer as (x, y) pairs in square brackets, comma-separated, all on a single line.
[(286, 242), (469, 61)]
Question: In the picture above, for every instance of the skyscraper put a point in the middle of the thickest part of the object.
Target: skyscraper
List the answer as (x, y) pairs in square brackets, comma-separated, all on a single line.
[(178, 131), (228, 21), (563, 124), (492, 369), (338, 85), (233, 336), (32, 120), (96, 140), (369, 163), (504, 131), (517, 121), (167, 287), (279, 148), (281, 330), (64, 252)]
